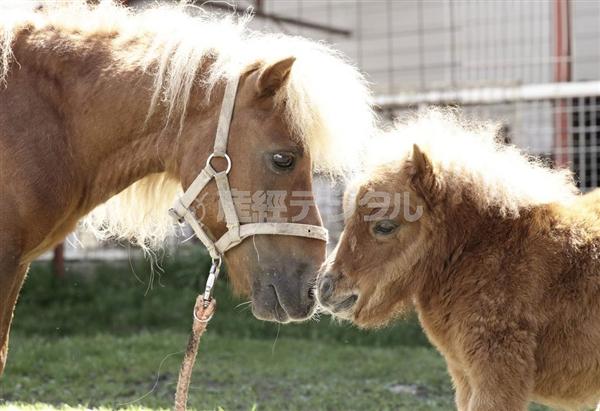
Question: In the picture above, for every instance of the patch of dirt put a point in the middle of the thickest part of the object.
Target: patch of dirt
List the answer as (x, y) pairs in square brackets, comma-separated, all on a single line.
[(416, 390)]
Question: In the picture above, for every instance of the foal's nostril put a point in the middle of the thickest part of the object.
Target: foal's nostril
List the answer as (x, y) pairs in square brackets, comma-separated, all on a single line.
[(347, 303), (326, 288)]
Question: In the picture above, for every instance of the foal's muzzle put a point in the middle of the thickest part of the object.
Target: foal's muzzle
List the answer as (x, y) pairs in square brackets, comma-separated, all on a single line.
[(335, 300)]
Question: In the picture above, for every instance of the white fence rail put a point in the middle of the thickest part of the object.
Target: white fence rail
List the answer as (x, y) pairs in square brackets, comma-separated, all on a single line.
[(492, 95)]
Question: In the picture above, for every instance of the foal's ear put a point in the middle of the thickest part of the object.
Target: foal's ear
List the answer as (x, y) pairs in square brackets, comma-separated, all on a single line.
[(274, 76), (422, 176)]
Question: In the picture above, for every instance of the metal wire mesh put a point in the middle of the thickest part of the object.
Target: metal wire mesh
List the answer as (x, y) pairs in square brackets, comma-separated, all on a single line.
[(565, 132), (417, 45), (413, 47)]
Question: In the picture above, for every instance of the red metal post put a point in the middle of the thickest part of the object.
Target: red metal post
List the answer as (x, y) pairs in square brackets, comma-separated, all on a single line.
[(562, 73), (58, 262)]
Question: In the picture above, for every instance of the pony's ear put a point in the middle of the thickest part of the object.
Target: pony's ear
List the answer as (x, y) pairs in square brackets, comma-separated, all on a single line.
[(274, 76), (422, 176)]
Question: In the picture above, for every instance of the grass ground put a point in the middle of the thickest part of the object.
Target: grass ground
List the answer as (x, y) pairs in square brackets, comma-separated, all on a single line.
[(141, 371), (101, 339)]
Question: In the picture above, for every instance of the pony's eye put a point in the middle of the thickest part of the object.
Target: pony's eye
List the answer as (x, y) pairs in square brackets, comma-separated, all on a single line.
[(283, 160), (385, 227)]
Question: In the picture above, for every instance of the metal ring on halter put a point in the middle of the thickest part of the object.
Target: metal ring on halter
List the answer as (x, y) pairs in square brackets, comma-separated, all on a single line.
[(222, 155), (200, 319)]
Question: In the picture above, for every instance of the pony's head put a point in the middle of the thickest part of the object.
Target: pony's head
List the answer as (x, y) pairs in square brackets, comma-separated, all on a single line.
[(299, 108), (438, 184), (277, 137), (271, 181)]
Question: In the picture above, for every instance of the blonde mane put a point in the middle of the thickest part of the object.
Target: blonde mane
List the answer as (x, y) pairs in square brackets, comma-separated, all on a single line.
[(469, 158), (327, 101)]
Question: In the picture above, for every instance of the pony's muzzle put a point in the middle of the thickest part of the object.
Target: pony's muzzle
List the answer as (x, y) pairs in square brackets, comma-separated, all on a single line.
[(285, 295)]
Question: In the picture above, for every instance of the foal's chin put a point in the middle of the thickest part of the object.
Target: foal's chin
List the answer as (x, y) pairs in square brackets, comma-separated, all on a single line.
[(356, 310), (347, 315), (373, 316)]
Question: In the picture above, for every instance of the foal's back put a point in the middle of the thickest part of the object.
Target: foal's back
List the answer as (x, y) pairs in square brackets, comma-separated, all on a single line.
[(591, 202), (568, 354)]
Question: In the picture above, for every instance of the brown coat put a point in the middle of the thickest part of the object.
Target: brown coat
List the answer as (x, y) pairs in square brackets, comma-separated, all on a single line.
[(510, 298), (98, 103)]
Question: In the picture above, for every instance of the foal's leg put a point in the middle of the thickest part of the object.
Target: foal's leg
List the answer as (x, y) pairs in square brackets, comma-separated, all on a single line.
[(462, 388), (11, 279), (502, 380), (499, 351)]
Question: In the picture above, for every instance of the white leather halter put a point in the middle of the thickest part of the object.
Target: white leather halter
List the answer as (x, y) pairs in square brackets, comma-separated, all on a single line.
[(236, 232)]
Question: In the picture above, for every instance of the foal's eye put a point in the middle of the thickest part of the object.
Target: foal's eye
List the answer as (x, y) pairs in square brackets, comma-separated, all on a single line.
[(385, 227), (283, 160)]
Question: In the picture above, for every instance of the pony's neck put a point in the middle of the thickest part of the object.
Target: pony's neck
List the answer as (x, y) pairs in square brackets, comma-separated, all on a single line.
[(89, 100), (101, 91)]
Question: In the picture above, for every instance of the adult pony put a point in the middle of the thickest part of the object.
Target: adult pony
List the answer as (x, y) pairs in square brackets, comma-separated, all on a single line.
[(502, 265), (100, 106)]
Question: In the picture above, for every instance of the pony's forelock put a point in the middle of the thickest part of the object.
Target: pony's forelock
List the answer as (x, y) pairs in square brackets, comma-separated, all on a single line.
[(326, 100), (469, 158)]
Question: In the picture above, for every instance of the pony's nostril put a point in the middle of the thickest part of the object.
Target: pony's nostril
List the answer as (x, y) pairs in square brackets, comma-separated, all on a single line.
[(311, 294)]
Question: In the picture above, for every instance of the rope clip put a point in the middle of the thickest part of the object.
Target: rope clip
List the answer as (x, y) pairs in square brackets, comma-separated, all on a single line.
[(213, 274)]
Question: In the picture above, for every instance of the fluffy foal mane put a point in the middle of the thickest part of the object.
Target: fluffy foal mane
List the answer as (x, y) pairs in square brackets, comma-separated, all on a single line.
[(326, 100), (469, 157)]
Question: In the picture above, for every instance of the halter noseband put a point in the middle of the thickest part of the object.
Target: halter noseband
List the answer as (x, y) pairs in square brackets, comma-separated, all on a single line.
[(235, 233)]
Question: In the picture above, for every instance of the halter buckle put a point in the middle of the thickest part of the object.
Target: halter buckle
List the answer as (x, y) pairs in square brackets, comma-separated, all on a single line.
[(176, 216), (216, 155)]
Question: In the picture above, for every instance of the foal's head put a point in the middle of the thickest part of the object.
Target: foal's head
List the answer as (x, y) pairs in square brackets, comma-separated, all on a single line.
[(441, 182), (271, 181), (374, 270)]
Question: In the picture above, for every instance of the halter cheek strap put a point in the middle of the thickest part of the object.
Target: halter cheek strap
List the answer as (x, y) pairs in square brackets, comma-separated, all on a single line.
[(236, 233)]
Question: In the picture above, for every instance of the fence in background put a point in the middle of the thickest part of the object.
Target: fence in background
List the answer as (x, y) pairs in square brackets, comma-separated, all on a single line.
[(533, 65), (559, 122)]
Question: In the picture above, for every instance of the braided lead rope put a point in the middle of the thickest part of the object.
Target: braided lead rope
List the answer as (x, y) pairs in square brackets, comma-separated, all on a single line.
[(202, 315)]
